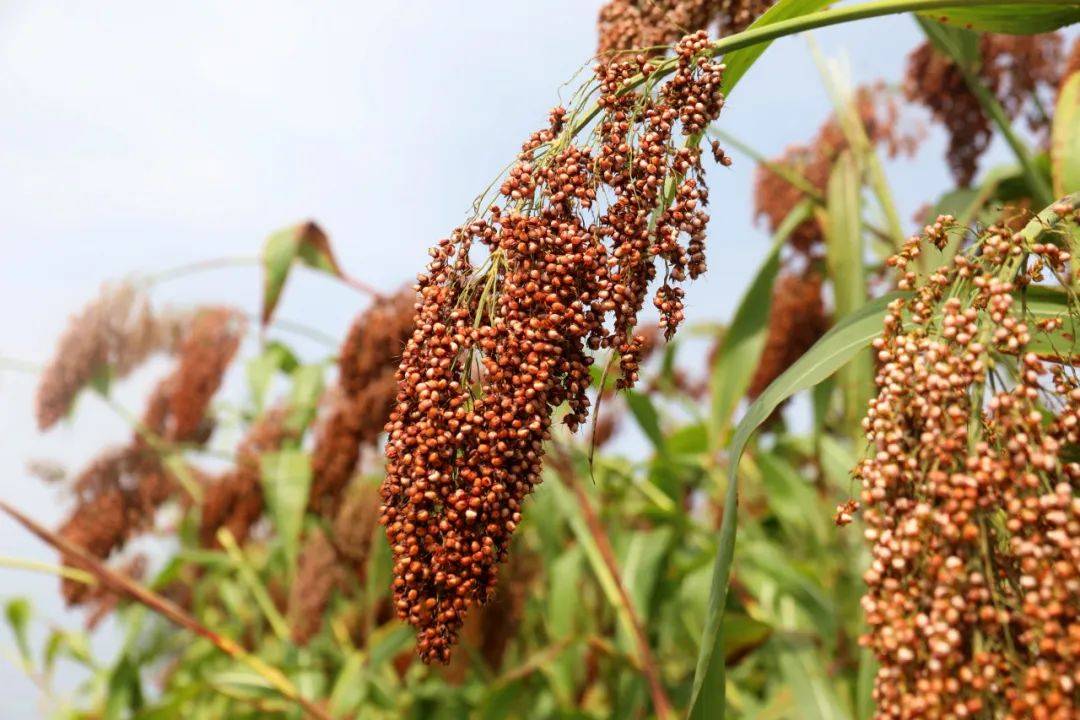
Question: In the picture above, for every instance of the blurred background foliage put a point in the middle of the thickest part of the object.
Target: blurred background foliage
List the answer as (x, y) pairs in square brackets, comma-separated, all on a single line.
[(287, 606)]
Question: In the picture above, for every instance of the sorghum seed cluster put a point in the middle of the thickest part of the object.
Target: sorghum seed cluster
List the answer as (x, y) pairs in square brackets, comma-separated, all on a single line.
[(120, 491), (1014, 68), (570, 254), (775, 197), (112, 335), (235, 500), (628, 25), (356, 410), (972, 502)]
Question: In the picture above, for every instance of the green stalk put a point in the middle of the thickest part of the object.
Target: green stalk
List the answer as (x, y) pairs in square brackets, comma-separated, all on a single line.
[(826, 18), (852, 126), (63, 571)]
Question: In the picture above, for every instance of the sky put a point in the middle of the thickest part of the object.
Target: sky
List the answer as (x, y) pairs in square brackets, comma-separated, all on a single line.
[(137, 137)]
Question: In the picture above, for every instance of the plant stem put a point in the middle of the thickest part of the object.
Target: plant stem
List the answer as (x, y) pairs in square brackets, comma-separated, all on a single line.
[(127, 587), (21, 366), (661, 703), (811, 21), (200, 266), (1036, 182)]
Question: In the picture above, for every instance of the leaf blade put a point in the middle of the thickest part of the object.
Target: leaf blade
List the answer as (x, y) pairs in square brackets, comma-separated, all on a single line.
[(1009, 18), (738, 62), (305, 242), (286, 481), (830, 353), (1065, 139)]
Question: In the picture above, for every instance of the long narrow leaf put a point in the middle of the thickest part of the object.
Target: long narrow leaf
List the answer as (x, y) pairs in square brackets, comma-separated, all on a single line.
[(832, 352), (739, 61), (745, 337), (844, 256), (1065, 147), (1009, 17)]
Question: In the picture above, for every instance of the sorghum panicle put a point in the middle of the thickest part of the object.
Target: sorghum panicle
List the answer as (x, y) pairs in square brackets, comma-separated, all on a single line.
[(318, 574), (775, 197), (570, 253), (113, 334), (628, 25), (972, 503), (235, 500), (120, 491), (356, 410), (1014, 68)]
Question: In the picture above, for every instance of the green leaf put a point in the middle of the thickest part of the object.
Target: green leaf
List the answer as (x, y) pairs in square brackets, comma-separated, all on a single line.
[(844, 257), (286, 480), (275, 356), (124, 694), (792, 499), (305, 242), (304, 398), (644, 411), (1010, 18), (836, 461), (563, 600), (17, 613), (1065, 143), (643, 564), (844, 250), (739, 61), (958, 43), (350, 688), (1043, 302), (738, 354), (830, 353), (815, 695)]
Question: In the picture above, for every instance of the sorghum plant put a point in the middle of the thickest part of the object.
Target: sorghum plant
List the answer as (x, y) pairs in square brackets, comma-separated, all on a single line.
[(580, 233), (972, 489)]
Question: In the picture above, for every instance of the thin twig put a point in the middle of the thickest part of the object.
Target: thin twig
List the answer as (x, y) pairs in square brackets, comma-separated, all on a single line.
[(561, 464), (361, 286), (125, 586)]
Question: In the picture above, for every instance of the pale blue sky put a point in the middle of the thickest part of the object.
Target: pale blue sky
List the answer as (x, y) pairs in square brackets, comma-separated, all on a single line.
[(138, 136)]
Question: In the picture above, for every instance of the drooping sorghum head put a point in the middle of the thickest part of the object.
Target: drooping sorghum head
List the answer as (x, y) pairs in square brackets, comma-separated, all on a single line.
[(113, 334), (355, 411), (1014, 68), (119, 492), (207, 349), (626, 25), (775, 196), (971, 499), (318, 573), (508, 310), (235, 499)]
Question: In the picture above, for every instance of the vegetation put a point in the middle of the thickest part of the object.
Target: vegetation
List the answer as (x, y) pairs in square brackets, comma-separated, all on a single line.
[(508, 495)]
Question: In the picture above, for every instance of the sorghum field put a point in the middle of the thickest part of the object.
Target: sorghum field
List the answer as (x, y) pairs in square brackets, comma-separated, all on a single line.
[(535, 482)]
